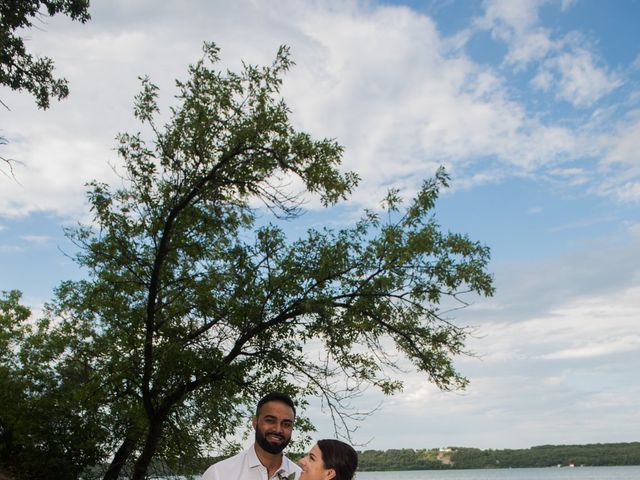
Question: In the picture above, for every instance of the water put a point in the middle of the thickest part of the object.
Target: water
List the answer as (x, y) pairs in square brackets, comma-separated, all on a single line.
[(566, 473)]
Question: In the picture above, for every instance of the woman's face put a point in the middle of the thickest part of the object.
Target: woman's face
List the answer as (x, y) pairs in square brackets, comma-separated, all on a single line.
[(313, 466)]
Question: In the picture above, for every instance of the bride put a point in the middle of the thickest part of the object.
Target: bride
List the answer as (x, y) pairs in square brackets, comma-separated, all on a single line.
[(329, 460)]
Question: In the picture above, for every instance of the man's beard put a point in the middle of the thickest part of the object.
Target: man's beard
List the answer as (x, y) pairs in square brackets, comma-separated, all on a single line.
[(273, 448)]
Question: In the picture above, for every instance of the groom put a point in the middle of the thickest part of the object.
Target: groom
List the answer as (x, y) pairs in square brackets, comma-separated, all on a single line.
[(273, 424)]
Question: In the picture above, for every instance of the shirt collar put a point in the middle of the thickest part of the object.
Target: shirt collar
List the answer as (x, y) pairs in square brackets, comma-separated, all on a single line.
[(254, 461)]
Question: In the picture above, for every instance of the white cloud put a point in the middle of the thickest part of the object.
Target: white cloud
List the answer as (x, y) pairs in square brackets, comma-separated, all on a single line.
[(628, 192), (575, 78), (383, 82), (589, 349), (37, 239), (573, 176), (530, 47), (624, 144), (53, 174), (543, 80), (509, 18), (566, 4), (619, 166), (608, 400), (402, 103), (516, 23), (588, 222), (569, 172), (11, 248), (566, 66), (584, 327)]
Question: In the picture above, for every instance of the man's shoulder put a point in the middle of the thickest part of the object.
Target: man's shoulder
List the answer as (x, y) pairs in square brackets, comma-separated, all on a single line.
[(222, 466)]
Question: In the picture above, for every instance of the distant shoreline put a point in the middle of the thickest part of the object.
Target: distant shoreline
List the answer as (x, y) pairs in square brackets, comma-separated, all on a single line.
[(463, 458)]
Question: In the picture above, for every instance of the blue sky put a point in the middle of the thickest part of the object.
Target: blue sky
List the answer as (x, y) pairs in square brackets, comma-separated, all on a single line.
[(532, 106)]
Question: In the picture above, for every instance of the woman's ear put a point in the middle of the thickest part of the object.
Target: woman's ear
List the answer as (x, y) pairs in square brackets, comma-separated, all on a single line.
[(329, 474)]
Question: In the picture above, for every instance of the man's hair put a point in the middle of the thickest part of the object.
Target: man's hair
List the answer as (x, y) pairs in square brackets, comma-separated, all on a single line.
[(276, 397)]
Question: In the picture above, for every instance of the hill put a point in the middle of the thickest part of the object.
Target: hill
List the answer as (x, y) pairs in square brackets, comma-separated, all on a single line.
[(600, 454)]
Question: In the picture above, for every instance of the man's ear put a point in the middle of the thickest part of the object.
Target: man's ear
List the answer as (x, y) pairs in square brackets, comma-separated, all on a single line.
[(329, 474), (254, 422)]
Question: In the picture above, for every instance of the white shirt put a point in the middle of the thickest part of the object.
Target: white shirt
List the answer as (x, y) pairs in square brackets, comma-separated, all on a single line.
[(247, 466)]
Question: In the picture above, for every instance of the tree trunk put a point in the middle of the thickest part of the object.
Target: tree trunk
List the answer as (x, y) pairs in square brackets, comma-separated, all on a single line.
[(120, 458), (151, 444)]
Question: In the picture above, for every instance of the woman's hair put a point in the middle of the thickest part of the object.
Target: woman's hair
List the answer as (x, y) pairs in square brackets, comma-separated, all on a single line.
[(339, 456)]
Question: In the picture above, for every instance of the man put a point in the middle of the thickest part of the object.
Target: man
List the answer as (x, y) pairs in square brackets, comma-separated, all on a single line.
[(273, 424)]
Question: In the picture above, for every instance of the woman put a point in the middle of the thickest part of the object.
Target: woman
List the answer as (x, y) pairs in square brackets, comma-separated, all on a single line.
[(329, 460)]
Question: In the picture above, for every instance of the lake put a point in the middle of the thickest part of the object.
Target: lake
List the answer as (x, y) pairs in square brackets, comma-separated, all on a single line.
[(566, 473)]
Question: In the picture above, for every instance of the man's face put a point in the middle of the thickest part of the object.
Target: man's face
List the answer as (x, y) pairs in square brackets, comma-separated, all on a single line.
[(273, 426)]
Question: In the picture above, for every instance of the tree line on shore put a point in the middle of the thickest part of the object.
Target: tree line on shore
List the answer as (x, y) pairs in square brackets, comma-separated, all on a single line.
[(601, 454)]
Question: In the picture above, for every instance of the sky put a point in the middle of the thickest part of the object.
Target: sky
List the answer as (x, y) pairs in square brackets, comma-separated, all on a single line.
[(533, 107)]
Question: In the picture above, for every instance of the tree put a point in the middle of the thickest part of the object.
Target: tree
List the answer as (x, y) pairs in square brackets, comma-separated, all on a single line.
[(12, 331), (190, 310), (19, 70), (44, 431)]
